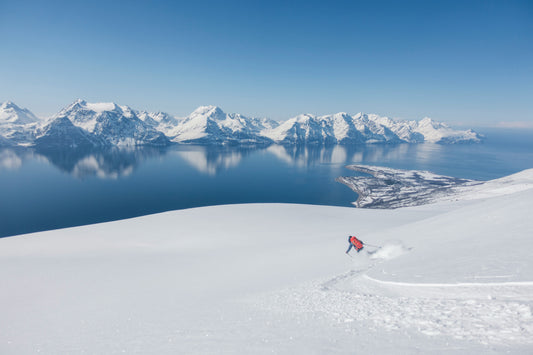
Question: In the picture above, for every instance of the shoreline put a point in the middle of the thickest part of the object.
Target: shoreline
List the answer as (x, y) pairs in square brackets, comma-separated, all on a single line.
[(389, 188)]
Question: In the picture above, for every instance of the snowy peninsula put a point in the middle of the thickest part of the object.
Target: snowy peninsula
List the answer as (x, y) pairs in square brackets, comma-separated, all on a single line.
[(395, 188), (450, 277)]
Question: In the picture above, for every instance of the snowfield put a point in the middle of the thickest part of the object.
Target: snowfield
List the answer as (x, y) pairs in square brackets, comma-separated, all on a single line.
[(450, 277)]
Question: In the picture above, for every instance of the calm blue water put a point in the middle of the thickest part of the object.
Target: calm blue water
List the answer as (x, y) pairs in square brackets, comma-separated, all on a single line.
[(47, 190)]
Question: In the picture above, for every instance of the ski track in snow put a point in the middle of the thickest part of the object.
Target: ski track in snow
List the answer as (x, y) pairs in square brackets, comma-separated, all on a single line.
[(460, 284), (487, 313)]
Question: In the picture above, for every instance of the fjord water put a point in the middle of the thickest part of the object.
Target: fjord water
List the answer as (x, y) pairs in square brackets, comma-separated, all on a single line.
[(42, 190)]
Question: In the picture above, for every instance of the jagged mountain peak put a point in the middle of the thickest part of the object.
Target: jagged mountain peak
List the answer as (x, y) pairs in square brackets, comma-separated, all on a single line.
[(76, 105), (210, 111), (340, 114), (120, 125), (8, 104), (112, 123), (96, 107), (158, 116), (301, 118), (160, 120), (12, 113), (429, 121)]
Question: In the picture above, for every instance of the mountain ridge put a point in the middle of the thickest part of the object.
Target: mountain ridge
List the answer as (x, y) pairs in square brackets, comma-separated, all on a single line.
[(107, 123)]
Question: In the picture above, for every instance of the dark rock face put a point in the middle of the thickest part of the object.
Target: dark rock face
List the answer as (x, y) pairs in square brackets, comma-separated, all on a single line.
[(61, 133)]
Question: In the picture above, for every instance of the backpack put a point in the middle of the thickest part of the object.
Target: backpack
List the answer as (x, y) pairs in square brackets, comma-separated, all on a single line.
[(357, 243)]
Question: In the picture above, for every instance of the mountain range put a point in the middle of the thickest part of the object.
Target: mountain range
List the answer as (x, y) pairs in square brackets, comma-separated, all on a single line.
[(83, 124)]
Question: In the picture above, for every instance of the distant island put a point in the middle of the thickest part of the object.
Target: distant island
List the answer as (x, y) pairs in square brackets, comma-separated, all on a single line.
[(85, 125)]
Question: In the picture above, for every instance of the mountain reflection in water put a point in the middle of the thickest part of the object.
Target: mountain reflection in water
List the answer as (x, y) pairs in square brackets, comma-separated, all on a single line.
[(114, 163), (47, 189)]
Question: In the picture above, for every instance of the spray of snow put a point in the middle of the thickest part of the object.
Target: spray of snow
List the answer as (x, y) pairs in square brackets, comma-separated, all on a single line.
[(389, 251)]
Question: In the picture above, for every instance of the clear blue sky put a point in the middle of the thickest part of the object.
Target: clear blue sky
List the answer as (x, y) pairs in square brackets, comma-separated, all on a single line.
[(457, 61)]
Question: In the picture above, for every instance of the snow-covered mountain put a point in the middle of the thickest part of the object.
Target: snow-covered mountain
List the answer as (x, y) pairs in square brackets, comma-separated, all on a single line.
[(17, 125), (161, 121), (81, 124), (115, 125), (209, 124), (301, 129), (61, 132), (342, 128), (436, 132), (11, 113)]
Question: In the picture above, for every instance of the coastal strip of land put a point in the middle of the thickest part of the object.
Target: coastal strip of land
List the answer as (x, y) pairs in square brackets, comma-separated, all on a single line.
[(395, 188)]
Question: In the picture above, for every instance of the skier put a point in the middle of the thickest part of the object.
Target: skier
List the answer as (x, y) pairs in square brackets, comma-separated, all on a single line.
[(354, 243)]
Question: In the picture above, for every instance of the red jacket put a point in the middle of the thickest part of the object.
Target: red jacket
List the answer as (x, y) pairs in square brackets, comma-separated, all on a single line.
[(356, 242)]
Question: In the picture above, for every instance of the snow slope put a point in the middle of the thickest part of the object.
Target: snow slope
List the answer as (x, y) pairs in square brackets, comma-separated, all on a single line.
[(437, 132), (451, 277), (61, 133)]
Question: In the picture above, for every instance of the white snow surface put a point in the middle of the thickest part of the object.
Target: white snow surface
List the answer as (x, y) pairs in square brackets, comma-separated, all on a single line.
[(100, 107), (451, 277), (434, 132), (11, 113)]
